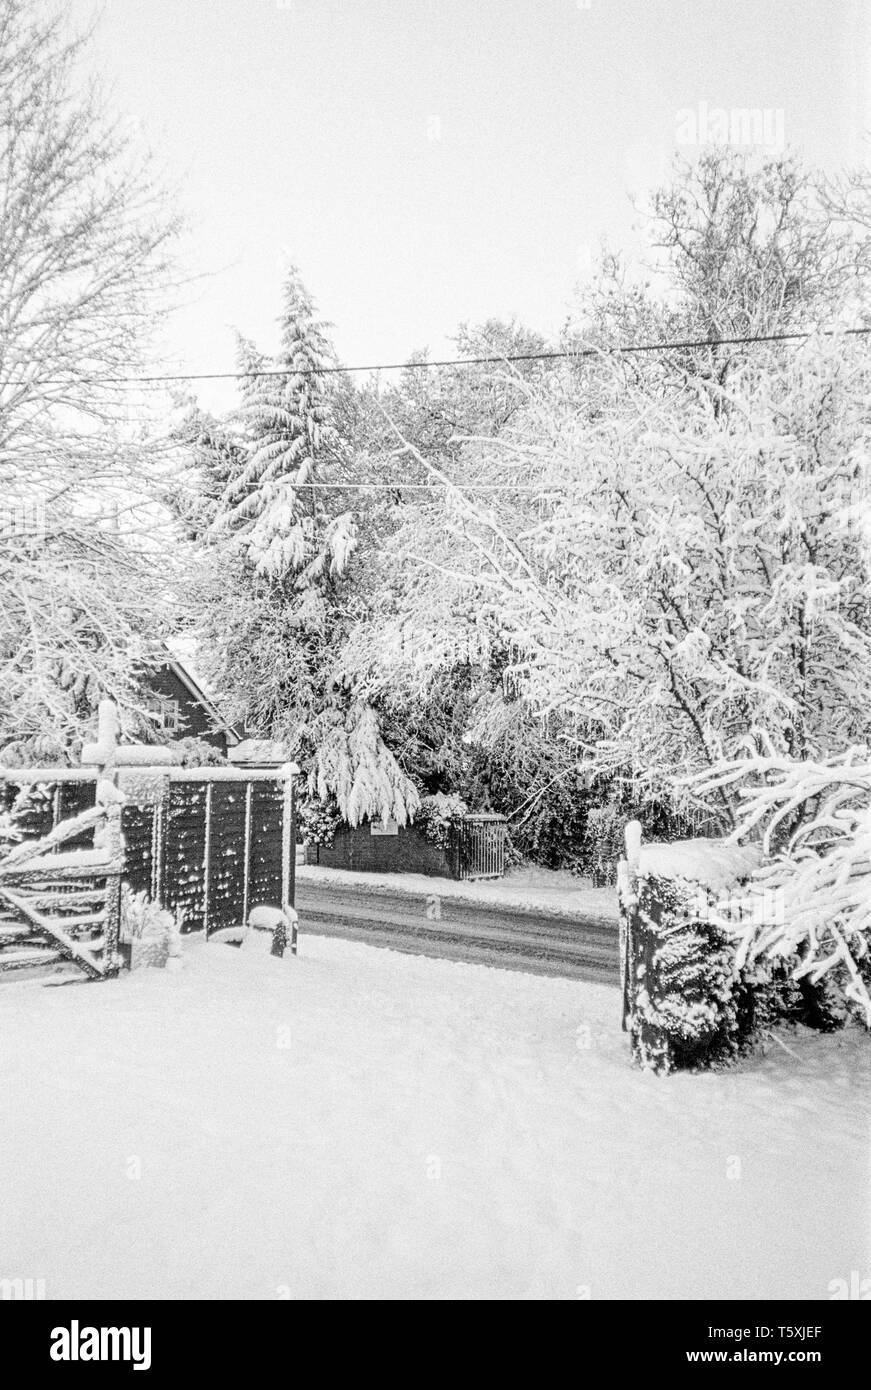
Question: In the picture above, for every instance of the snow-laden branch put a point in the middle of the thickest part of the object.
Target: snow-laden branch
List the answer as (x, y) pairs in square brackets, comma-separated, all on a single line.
[(814, 819)]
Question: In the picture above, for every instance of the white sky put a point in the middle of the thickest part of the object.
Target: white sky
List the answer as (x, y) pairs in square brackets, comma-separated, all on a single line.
[(430, 161)]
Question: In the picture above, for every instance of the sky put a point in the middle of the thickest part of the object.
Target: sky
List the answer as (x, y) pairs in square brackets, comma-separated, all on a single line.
[(430, 162)]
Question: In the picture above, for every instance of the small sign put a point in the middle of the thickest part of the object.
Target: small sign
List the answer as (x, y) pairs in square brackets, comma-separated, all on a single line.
[(384, 827)]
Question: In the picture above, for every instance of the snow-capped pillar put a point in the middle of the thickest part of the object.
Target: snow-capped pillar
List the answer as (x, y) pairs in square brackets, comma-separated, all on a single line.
[(627, 902), (685, 1005), (108, 836)]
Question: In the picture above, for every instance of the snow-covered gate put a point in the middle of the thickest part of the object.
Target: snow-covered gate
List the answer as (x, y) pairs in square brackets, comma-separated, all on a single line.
[(478, 845), (211, 842), (59, 901)]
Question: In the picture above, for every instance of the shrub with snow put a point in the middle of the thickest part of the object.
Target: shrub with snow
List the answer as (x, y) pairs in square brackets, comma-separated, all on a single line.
[(196, 752), (30, 805), (317, 820), (814, 819), (692, 1006), (142, 918), (437, 815)]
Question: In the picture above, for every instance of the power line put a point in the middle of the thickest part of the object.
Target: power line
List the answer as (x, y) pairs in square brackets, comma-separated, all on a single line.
[(427, 365), (400, 485)]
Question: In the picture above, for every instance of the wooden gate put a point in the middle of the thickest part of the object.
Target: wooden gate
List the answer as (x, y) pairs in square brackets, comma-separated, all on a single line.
[(64, 905)]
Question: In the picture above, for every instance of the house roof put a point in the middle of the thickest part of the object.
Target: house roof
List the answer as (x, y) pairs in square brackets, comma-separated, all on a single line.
[(193, 686)]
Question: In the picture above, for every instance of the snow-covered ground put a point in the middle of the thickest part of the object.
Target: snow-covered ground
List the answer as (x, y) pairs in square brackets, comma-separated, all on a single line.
[(529, 887), (359, 1123)]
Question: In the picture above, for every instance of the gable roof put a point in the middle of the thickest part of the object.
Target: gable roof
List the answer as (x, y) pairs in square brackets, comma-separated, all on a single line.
[(197, 693)]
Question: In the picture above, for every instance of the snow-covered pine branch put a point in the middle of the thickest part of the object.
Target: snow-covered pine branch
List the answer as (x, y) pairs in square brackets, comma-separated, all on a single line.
[(355, 766)]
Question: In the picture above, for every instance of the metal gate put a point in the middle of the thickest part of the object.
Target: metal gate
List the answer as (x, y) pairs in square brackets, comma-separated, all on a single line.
[(479, 845)]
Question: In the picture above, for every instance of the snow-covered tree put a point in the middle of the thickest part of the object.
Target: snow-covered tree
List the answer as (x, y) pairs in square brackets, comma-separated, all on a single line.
[(690, 573), (83, 265), (752, 246), (626, 564), (279, 593), (281, 523), (429, 655)]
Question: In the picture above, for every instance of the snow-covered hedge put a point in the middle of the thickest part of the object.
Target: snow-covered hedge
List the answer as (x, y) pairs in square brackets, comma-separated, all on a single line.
[(317, 821), (680, 995), (693, 998), (198, 752), (437, 815)]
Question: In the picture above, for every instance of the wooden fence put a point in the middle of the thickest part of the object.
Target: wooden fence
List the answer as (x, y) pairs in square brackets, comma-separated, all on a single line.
[(207, 842)]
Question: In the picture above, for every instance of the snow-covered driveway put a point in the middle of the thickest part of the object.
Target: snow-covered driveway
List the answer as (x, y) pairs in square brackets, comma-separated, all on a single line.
[(359, 1123)]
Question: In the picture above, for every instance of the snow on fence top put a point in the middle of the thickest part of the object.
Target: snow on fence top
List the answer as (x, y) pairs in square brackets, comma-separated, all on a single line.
[(714, 864), (20, 775)]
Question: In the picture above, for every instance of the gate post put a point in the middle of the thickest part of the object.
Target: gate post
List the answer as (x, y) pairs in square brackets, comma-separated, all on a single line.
[(115, 850), (627, 905), (110, 836), (288, 851)]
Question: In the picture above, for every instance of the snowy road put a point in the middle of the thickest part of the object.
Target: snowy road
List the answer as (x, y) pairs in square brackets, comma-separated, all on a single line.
[(364, 1124), (481, 932)]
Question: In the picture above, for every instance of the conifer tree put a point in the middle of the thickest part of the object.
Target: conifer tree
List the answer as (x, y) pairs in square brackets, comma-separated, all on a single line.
[(285, 530), (280, 603)]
